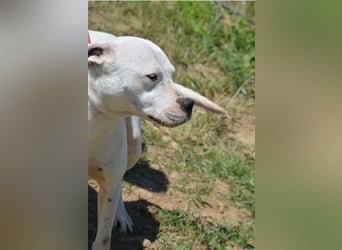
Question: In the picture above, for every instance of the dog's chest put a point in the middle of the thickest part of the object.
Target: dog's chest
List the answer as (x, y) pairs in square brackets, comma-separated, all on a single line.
[(107, 138)]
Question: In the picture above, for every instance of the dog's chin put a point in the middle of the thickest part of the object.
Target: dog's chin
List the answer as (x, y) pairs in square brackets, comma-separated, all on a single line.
[(170, 121)]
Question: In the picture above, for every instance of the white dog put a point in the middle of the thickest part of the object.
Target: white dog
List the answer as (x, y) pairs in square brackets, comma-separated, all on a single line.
[(128, 77)]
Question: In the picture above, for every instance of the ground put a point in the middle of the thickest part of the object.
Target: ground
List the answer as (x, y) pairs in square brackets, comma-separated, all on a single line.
[(151, 189)]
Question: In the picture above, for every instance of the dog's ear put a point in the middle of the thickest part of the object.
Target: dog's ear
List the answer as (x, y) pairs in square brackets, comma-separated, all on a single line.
[(100, 53)]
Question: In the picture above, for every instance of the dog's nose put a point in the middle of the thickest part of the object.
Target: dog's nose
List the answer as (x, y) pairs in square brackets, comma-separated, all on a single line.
[(186, 104)]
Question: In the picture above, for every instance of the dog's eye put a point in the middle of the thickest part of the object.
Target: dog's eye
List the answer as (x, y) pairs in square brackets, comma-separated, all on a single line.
[(153, 77)]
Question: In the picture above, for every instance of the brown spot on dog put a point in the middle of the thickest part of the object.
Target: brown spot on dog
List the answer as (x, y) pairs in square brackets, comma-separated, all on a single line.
[(95, 173), (105, 241)]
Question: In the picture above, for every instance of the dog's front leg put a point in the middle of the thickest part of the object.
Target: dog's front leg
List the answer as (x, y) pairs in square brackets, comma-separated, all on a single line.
[(134, 150), (134, 140), (109, 195), (122, 218)]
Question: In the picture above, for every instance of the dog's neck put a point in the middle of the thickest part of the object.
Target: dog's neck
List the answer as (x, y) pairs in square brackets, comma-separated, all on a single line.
[(101, 120), (94, 98), (100, 124)]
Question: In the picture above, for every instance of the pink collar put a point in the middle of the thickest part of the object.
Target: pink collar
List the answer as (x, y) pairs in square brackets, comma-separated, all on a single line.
[(89, 41)]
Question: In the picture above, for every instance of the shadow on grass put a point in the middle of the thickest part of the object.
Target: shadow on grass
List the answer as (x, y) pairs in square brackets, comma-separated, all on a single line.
[(142, 175), (145, 225)]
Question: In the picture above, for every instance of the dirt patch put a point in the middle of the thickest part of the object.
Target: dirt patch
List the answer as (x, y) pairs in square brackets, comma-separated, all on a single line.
[(217, 208), (242, 129)]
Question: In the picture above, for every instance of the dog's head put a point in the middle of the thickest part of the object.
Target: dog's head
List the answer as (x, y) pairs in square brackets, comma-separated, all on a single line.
[(133, 76)]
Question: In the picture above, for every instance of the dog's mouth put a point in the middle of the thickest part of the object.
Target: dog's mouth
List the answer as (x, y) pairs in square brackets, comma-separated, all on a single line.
[(172, 120)]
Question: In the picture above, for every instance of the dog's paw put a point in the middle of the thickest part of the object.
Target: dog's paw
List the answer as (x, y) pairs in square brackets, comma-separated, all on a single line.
[(122, 220)]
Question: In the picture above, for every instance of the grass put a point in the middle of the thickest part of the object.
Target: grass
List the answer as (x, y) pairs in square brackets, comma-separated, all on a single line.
[(216, 165), (180, 226), (212, 48)]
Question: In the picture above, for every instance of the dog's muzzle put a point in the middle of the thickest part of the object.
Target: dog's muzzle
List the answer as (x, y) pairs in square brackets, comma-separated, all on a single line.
[(173, 119)]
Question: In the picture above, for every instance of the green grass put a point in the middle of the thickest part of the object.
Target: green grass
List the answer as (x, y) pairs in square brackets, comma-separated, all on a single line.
[(180, 225), (212, 49), (211, 165)]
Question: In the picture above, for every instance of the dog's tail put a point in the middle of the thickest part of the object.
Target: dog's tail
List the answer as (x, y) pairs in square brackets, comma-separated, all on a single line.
[(200, 100)]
